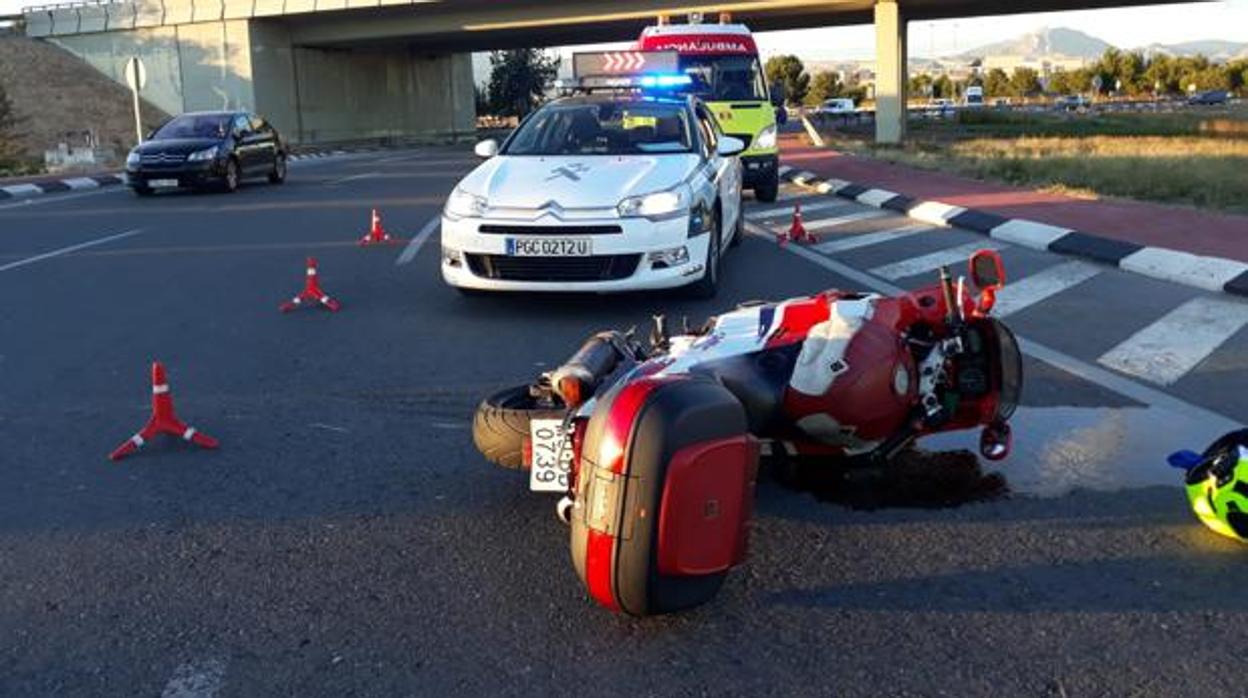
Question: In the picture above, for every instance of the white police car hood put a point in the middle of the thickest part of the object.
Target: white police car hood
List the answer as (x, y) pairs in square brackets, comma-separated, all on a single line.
[(571, 182)]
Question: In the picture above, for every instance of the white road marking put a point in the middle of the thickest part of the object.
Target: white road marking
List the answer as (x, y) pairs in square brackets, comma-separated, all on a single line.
[(868, 239), (413, 247), (57, 198), (202, 679), (1217, 423), (67, 250), (823, 223), (788, 210), (928, 262), (1166, 350), (1209, 273), (1028, 233), (352, 178), (792, 194), (1031, 290)]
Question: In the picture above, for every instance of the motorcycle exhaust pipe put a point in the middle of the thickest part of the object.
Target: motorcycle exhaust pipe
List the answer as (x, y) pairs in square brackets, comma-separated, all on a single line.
[(578, 377)]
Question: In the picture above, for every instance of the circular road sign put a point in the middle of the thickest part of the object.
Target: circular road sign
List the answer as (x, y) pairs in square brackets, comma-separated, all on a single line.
[(136, 73)]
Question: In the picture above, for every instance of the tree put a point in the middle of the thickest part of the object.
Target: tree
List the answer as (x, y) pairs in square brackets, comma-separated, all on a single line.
[(997, 83), (518, 80), (920, 84), (825, 85), (943, 87), (791, 73), (1024, 82)]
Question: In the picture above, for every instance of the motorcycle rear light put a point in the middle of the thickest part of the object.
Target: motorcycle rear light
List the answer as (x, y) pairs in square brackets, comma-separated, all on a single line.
[(569, 389)]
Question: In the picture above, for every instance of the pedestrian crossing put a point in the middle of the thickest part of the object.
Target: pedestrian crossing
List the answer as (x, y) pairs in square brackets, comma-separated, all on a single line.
[(1168, 347)]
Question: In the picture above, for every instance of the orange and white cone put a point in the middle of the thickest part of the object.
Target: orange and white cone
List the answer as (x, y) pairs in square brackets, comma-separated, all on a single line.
[(163, 420), (376, 234), (311, 293)]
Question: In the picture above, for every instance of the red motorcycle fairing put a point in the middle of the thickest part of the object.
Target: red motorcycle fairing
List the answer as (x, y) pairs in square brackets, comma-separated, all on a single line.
[(664, 494)]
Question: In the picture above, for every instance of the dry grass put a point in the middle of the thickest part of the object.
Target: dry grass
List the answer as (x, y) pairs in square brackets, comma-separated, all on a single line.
[(1178, 159)]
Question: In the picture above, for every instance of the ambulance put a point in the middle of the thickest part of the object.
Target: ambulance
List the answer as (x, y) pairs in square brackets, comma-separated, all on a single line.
[(724, 59)]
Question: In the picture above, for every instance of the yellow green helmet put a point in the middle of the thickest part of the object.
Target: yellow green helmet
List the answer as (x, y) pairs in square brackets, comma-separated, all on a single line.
[(1217, 484)]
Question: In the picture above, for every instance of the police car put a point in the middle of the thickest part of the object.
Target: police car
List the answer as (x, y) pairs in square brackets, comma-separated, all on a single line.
[(626, 184)]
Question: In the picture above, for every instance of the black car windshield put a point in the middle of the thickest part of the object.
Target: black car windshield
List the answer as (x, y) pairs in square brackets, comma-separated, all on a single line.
[(727, 78), (194, 126), (606, 128)]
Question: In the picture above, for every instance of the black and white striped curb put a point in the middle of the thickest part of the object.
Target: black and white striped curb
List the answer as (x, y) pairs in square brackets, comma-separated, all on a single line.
[(1208, 273), (17, 191)]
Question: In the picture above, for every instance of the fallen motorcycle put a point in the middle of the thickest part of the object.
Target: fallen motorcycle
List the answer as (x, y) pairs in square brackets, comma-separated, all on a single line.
[(656, 446)]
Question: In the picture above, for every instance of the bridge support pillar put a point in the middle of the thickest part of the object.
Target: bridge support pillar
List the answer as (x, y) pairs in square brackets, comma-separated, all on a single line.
[(890, 72)]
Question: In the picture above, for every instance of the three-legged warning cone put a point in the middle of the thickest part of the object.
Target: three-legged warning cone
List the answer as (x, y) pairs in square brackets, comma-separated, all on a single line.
[(797, 232), (311, 292), (376, 234), (163, 420)]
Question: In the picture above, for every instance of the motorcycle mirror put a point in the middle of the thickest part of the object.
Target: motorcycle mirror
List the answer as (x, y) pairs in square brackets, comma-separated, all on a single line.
[(987, 270)]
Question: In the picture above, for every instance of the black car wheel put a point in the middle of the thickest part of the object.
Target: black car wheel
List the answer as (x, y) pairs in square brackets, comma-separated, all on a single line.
[(229, 182), (278, 175), (706, 287)]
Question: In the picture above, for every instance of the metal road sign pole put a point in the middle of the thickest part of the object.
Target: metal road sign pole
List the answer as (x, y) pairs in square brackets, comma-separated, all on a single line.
[(136, 77)]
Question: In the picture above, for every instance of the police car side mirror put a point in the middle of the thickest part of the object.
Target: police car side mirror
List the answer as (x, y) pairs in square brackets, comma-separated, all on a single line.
[(729, 146), (486, 149)]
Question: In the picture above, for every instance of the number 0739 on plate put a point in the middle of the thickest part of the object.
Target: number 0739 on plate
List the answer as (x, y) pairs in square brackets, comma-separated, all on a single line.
[(552, 455)]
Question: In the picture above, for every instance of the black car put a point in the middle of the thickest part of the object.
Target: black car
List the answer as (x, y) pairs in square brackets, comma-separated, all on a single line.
[(204, 149)]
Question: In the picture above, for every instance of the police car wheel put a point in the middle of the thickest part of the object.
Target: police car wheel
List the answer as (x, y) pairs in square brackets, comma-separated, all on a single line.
[(705, 287), (738, 229)]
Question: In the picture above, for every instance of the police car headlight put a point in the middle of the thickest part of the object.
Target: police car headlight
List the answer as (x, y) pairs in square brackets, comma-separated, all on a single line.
[(767, 137), (201, 155), (461, 204), (133, 158), (661, 204)]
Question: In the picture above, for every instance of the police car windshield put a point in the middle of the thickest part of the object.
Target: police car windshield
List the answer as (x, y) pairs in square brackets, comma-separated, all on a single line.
[(605, 128), (727, 78), (194, 126)]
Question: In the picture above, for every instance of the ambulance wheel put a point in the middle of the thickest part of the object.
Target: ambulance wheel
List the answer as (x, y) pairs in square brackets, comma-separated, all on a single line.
[(501, 424), (767, 192)]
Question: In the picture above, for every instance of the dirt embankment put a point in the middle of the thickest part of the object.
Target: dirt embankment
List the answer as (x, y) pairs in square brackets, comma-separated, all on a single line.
[(60, 97)]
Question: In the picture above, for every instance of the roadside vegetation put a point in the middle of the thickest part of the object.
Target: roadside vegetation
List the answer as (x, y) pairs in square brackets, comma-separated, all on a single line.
[(1195, 157), (13, 160)]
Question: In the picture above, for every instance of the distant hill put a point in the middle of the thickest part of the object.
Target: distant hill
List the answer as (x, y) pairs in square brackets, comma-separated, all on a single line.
[(57, 93), (1045, 42), (1071, 43)]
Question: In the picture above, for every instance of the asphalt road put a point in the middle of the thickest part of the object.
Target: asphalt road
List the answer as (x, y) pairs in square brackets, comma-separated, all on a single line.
[(348, 540)]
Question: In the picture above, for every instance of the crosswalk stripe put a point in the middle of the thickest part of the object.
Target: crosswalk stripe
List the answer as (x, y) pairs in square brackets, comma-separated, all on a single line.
[(928, 262), (788, 210), (1166, 350), (868, 239), (1015, 296)]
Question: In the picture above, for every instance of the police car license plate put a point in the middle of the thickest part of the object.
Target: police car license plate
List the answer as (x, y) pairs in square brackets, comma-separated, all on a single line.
[(552, 455), (550, 247)]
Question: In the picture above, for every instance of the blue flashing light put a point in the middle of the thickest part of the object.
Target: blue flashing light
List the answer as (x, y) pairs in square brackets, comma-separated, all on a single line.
[(666, 80)]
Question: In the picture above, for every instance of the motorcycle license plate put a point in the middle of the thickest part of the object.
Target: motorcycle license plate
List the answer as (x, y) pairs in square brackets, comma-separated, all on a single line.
[(552, 455), (550, 247)]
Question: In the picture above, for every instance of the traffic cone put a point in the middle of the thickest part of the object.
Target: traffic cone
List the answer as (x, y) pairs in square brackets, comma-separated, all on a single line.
[(311, 292), (797, 231), (163, 420), (376, 234)]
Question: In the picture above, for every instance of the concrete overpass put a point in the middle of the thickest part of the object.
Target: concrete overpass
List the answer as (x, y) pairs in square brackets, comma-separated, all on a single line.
[(327, 70)]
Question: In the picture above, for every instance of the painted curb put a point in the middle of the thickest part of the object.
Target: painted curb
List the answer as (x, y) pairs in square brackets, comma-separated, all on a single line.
[(1207, 273), (54, 186)]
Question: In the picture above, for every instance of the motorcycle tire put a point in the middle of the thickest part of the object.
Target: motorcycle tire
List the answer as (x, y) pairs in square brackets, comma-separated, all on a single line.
[(501, 424)]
